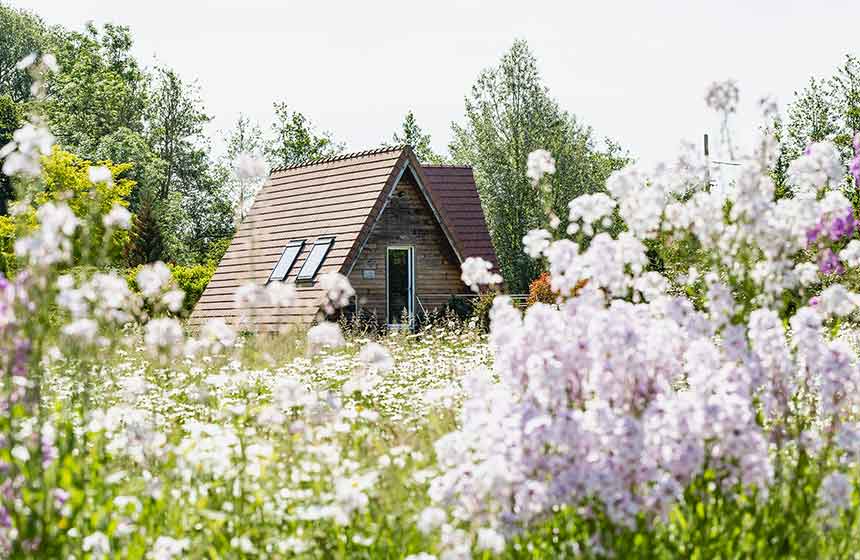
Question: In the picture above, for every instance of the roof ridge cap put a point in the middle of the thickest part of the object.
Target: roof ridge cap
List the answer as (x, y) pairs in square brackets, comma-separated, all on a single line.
[(338, 157)]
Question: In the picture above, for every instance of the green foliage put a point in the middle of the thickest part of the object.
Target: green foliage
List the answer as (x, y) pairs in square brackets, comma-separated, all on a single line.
[(102, 105), (216, 251), (481, 307), (210, 217), (10, 120), (194, 209), (509, 114), (189, 224), (7, 246), (21, 33), (190, 279), (176, 119), (66, 177), (172, 223), (810, 118), (827, 109), (779, 173), (413, 135), (145, 242), (246, 138), (296, 140), (99, 89), (845, 97), (148, 170)]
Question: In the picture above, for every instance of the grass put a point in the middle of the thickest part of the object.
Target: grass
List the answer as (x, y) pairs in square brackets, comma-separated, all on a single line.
[(240, 475)]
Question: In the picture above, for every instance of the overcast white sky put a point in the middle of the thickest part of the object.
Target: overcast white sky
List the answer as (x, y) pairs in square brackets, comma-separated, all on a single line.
[(636, 71)]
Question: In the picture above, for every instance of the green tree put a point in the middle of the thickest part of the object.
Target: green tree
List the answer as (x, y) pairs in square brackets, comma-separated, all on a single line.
[(296, 139), (102, 105), (844, 88), (21, 33), (175, 118), (245, 138), (145, 243), (193, 207), (779, 173), (148, 170), (10, 120), (99, 89), (810, 118), (509, 114), (209, 214), (413, 135), (826, 109)]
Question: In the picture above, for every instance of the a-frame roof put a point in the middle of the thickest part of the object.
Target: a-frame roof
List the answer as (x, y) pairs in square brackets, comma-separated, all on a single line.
[(454, 188), (341, 196)]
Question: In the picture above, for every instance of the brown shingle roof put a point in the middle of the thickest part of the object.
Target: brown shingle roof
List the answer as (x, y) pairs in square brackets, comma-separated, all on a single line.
[(337, 196), (454, 187), (338, 157), (340, 196)]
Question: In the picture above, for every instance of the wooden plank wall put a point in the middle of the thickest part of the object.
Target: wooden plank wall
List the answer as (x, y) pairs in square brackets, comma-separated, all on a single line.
[(407, 220)]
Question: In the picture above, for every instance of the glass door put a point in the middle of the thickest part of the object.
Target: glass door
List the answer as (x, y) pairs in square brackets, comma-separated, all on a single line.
[(400, 285)]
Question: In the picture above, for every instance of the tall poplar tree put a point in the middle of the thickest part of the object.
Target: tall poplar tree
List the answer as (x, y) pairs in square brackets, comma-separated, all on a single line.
[(509, 114)]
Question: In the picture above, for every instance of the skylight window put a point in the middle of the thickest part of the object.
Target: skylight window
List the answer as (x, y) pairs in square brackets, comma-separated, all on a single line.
[(287, 260), (315, 258)]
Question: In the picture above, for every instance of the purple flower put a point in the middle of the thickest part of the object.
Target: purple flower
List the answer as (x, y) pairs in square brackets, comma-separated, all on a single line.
[(850, 221), (837, 228), (842, 227), (60, 497), (7, 491), (22, 357), (855, 163), (49, 451), (828, 263), (812, 234)]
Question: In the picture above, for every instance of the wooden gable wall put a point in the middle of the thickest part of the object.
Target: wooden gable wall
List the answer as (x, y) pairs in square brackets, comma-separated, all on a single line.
[(407, 220)]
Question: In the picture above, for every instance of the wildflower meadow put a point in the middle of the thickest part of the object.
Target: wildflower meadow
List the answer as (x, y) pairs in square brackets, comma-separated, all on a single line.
[(693, 391)]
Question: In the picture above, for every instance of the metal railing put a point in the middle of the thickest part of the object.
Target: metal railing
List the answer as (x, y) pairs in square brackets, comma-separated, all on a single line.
[(420, 305), (518, 299)]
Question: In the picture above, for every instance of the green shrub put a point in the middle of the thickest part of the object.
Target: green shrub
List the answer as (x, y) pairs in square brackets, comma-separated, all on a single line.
[(190, 279), (481, 309), (460, 306), (7, 242), (217, 250)]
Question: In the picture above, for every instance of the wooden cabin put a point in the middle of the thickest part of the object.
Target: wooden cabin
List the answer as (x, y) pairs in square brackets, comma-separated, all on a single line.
[(398, 229)]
